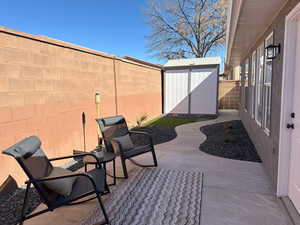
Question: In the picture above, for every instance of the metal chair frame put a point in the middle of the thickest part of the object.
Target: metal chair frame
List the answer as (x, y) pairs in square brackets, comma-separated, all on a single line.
[(110, 140), (56, 204)]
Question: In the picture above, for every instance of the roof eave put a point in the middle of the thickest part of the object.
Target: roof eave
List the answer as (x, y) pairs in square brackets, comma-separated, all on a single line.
[(232, 22)]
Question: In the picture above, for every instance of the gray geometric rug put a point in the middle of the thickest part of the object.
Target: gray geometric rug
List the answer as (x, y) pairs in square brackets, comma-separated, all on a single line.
[(153, 196)]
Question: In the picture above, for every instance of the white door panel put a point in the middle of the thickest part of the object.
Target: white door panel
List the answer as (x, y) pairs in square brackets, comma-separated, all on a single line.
[(176, 91), (294, 179), (204, 91)]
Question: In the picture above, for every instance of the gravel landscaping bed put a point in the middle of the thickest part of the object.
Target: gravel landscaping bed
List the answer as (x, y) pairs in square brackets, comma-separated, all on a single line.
[(11, 205), (229, 140)]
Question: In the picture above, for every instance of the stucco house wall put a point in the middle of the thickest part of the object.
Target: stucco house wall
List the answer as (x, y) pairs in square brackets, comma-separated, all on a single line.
[(268, 145)]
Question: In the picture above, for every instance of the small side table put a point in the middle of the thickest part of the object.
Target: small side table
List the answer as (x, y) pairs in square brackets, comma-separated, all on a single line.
[(104, 157)]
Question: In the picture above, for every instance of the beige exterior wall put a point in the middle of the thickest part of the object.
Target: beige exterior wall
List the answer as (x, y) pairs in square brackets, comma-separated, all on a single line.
[(45, 85), (229, 94)]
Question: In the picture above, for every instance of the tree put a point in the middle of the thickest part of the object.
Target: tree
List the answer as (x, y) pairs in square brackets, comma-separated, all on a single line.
[(185, 28)]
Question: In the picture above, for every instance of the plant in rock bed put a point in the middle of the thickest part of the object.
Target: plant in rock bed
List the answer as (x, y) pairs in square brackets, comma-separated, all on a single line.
[(229, 137), (140, 120), (235, 144)]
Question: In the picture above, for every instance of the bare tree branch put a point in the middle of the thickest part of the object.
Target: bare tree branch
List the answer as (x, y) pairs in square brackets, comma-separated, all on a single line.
[(185, 28)]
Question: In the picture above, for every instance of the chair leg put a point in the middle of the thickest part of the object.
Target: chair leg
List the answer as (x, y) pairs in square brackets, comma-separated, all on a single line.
[(123, 161), (114, 172), (24, 204), (105, 180), (154, 158), (103, 209)]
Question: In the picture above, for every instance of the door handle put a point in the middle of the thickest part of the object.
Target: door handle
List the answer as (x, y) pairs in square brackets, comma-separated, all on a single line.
[(293, 115), (290, 126)]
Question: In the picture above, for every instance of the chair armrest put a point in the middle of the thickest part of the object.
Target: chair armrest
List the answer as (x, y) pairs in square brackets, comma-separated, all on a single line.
[(143, 133), (77, 155), (139, 132), (66, 176)]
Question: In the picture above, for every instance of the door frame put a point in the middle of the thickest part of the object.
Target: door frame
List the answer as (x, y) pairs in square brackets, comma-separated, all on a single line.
[(287, 95)]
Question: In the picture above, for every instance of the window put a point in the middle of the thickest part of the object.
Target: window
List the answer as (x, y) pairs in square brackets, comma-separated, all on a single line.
[(242, 85), (259, 84), (267, 87), (246, 80), (252, 84)]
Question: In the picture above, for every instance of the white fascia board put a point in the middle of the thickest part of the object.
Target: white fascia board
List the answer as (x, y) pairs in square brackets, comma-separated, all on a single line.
[(233, 22)]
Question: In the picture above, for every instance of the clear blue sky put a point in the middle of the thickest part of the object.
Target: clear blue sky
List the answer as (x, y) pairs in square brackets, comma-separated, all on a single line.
[(112, 26)]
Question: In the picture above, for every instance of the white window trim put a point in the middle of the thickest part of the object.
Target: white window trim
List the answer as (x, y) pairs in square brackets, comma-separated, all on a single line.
[(259, 83), (245, 103), (267, 130), (253, 74)]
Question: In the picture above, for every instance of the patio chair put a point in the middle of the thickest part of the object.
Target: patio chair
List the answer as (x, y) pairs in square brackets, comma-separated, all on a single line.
[(39, 170), (117, 139)]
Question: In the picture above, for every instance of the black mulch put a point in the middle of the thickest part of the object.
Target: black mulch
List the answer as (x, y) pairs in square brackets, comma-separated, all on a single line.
[(159, 135), (229, 140), (11, 205)]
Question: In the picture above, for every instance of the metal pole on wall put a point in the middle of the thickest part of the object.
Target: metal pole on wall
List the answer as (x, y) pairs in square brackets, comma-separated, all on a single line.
[(83, 127), (97, 102)]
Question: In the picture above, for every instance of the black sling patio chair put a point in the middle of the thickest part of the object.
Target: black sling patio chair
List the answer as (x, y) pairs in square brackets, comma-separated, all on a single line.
[(38, 167), (114, 132)]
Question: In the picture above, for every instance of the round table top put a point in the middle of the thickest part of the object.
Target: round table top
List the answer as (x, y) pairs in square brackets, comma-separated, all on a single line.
[(103, 157)]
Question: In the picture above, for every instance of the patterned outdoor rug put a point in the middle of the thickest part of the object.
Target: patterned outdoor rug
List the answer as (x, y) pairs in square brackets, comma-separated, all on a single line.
[(154, 197)]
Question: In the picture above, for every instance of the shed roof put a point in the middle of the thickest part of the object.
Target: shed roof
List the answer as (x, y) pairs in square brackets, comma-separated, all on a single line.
[(193, 62)]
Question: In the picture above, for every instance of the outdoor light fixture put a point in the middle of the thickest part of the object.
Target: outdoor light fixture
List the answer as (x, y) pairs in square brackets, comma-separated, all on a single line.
[(97, 98), (273, 51)]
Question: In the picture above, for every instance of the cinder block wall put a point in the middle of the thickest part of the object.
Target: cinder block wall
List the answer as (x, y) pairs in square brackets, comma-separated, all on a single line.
[(46, 84), (229, 94), (138, 91)]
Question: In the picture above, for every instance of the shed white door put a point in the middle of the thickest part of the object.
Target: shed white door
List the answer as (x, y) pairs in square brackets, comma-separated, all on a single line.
[(294, 179), (203, 91), (176, 91)]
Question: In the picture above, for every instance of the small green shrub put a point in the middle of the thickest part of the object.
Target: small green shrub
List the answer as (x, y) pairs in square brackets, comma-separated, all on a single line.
[(228, 136), (141, 119)]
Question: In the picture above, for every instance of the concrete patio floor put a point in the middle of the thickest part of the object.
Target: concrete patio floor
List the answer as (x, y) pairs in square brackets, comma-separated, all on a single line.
[(234, 192)]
